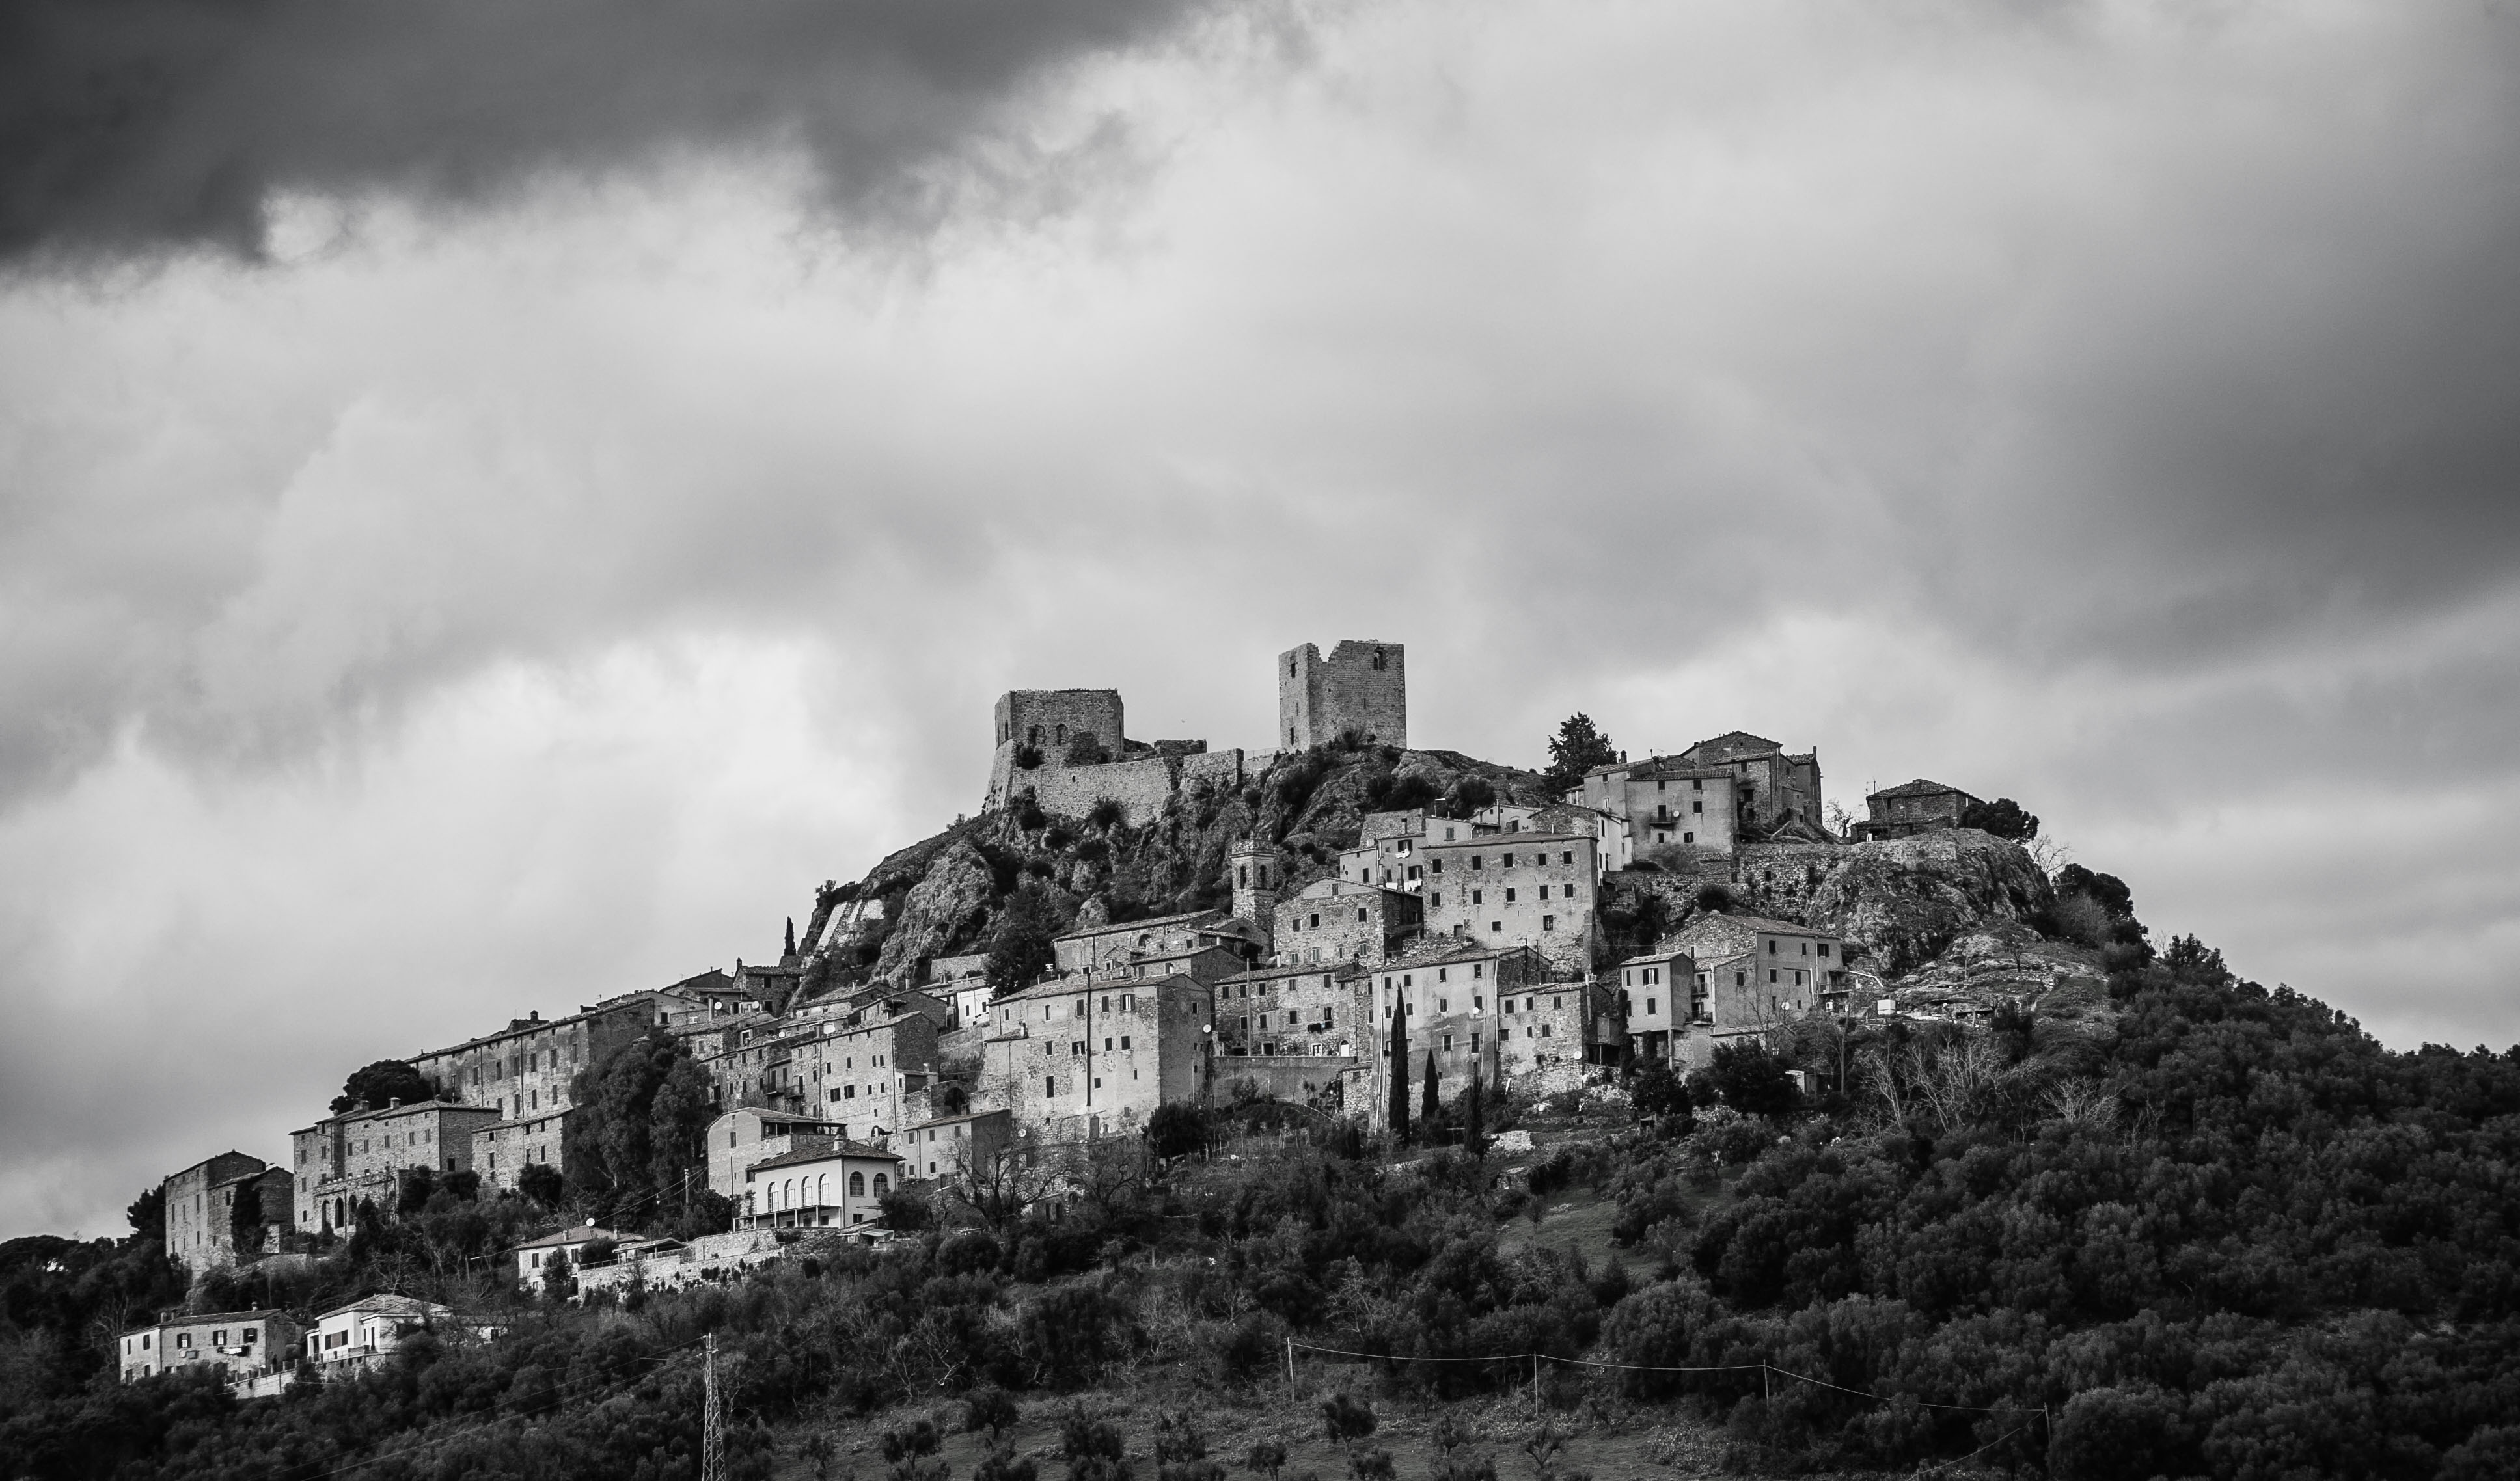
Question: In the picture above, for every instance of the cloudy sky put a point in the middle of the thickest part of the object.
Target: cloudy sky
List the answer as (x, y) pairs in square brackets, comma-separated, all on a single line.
[(497, 503)]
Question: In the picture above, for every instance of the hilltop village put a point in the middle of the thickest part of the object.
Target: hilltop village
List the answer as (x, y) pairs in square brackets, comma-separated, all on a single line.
[(1336, 922)]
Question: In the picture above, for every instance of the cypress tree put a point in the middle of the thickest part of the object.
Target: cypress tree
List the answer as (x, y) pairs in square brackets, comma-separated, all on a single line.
[(792, 942), (1429, 1108), (1474, 1121), (1399, 1073)]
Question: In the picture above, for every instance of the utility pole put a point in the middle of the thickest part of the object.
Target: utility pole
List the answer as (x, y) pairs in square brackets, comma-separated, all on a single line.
[(712, 1433)]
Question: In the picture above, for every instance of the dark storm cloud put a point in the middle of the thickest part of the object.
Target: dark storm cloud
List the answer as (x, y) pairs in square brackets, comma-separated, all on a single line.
[(139, 126)]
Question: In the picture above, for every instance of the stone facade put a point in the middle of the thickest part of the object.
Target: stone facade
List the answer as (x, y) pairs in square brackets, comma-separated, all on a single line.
[(1659, 995), (1665, 802), (1332, 921), (1510, 889), (1257, 874), (241, 1345), (740, 1137), (1311, 1011), (1048, 719), (524, 1070), (1759, 972), (1770, 789), (201, 1207), (362, 1154), (936, 1149), (1073, 1060), (1361, 688), (1494, 1010), (859, 1074), (1122, 942)]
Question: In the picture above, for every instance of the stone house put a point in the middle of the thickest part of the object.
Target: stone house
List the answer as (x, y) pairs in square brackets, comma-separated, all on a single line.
[(1517, 889), (1772, 789), (752, 1134), (1756, 972), (362, 1154), (935, 1149), (1495, 1009), (524, 1070), (201, 1207), (241, 1345), (1310, 1010), (1659, 995), (1664, 802), (1077, 1059), (859, 1074), (1332, 921), (1119, 943), (1609, 830), (1361, 690), (821, 1188), (1913, 807), (1389, 848)]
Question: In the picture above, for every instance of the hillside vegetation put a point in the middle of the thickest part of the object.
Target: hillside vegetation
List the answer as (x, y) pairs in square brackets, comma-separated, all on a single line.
[(2152, 1220)]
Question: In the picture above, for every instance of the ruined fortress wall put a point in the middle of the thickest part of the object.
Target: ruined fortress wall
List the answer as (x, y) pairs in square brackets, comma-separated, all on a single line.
[(1050, 718), (1361, 687), (1224, 770), (1140, 787)]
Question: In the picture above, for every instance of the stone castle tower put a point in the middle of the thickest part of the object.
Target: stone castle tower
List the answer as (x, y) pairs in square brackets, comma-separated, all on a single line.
[(1255, 892), (1047, 720), (1362, 686)]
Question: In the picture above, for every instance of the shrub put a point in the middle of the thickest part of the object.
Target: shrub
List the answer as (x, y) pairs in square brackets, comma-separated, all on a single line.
[(1266, 1457), (1344, 1417), (1714, 896), (1002, 1463), (917, 1438), (1028, 758), (1086, 748), (2003, 817), (541, 1183), (989, 1408), (1370, 1465)]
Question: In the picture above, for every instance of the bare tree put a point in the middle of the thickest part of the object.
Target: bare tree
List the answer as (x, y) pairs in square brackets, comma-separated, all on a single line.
[(997, 1193)]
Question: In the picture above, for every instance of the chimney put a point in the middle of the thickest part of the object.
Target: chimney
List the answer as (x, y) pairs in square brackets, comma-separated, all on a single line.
[(394, 1105)]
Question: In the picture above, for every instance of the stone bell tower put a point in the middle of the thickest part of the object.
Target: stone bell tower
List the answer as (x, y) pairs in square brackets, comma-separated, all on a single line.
[(1254, 867)]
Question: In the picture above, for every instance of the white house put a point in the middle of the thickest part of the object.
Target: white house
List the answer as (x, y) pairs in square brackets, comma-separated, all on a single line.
[(838, 1185)]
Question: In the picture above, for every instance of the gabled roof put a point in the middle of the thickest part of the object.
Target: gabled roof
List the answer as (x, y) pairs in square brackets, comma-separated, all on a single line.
[(388, 1303), (1444, 952), (1920, 787), (1735, 744)]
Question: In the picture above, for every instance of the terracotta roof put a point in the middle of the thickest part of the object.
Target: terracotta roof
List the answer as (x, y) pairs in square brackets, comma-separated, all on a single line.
[(978, 1115), (388, 1301), (1920, 787)]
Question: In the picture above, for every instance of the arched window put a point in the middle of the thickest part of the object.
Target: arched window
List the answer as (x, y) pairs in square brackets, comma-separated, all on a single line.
[(1062, 735), (857, 1185), (879, 1184), (822, 1190)]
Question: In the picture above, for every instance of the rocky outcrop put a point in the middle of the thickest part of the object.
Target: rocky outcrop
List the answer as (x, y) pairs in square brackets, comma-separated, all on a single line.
[(1904, 901), (939, 911)]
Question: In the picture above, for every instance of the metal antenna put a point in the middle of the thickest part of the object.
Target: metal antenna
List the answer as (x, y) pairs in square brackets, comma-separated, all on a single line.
[(712, 1432)]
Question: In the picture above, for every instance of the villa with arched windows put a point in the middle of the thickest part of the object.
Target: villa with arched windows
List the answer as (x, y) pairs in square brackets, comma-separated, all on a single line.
[(835, 1183)]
